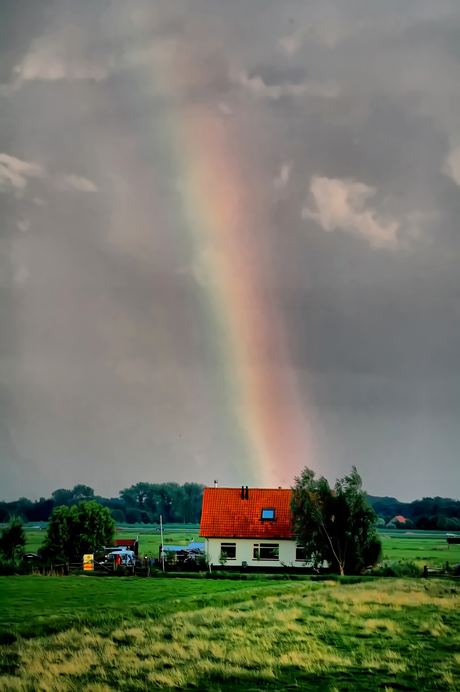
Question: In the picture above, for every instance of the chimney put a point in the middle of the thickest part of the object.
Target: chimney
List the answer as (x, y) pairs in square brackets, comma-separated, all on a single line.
[(247, 493), (215, 484), (242, 492)]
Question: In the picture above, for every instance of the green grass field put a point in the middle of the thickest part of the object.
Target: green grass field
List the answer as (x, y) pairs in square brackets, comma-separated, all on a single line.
[(424, 549), (36, 600), (383, 635)]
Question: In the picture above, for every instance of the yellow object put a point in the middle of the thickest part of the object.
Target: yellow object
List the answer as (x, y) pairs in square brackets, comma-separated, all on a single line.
[(88, 563)]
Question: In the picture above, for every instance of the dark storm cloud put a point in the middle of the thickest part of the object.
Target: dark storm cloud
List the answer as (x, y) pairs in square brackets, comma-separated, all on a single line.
[(110, 371)]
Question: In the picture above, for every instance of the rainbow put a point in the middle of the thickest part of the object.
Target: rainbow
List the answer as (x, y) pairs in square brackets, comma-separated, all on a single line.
[(225, 216)]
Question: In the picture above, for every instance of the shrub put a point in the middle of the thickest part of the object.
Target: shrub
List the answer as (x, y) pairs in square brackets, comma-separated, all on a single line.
[(12, 540), (404, 568), (202, 561)]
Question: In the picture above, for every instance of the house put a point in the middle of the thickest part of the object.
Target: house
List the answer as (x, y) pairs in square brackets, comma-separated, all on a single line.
[(398, 520), (252, 526)]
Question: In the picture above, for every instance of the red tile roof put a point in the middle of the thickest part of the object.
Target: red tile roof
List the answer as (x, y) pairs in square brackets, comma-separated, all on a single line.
[(226, 515)]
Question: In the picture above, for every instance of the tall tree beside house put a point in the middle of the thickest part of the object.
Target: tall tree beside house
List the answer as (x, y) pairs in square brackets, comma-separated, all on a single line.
[(12, 540), (74, 531), (337, 526)]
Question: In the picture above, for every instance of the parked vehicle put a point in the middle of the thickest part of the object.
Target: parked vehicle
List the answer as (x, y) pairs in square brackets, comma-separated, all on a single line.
[(121, 556)]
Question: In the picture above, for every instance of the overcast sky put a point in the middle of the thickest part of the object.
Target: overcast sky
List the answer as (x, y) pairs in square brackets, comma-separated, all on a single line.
[(229, 243)]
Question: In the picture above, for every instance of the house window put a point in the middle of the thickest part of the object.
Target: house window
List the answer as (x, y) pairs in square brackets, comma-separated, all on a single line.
[(266, 551), (300, 554), (268, 513), (229, 549)]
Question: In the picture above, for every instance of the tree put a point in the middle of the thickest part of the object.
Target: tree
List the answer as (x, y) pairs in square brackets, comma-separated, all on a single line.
[(82, 492), (118, 515), (337, 527), (12, 540), (41, 510), (62, 496), (133, 515), (145, 517), (84, 528), (136, 495)]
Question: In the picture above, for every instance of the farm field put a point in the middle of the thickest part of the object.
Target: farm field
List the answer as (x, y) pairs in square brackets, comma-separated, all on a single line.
[(381, 635), (424, 549)]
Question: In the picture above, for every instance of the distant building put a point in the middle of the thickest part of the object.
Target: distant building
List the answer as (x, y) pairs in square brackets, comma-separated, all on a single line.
[(399, 519), (252, 526)]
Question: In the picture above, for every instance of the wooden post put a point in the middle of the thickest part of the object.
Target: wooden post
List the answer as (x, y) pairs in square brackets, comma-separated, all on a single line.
[(162, 544)]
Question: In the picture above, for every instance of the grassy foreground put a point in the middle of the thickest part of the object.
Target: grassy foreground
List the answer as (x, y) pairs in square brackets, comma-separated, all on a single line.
[(382, 635)]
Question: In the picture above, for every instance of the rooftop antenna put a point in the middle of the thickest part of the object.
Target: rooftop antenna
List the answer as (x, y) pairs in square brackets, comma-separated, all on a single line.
[(215, 483)]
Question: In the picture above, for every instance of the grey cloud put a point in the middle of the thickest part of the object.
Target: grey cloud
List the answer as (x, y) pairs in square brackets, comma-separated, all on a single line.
[(63, 55), (14, 172), (343, 204), (77, 182), (260, 89), (451, 165)]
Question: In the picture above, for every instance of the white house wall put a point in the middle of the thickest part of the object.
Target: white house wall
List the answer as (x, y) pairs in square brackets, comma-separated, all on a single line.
[(244, 552)]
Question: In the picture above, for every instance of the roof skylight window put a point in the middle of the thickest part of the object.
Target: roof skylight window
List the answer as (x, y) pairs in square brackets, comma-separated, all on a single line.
[(268, 513)]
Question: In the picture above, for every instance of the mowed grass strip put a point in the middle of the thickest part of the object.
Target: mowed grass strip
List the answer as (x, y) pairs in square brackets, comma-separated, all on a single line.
[(385, 635), (29, 600)]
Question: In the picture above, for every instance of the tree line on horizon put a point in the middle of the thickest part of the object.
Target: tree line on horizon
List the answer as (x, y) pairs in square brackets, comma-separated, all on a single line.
[(427, 514), (144, 502)]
